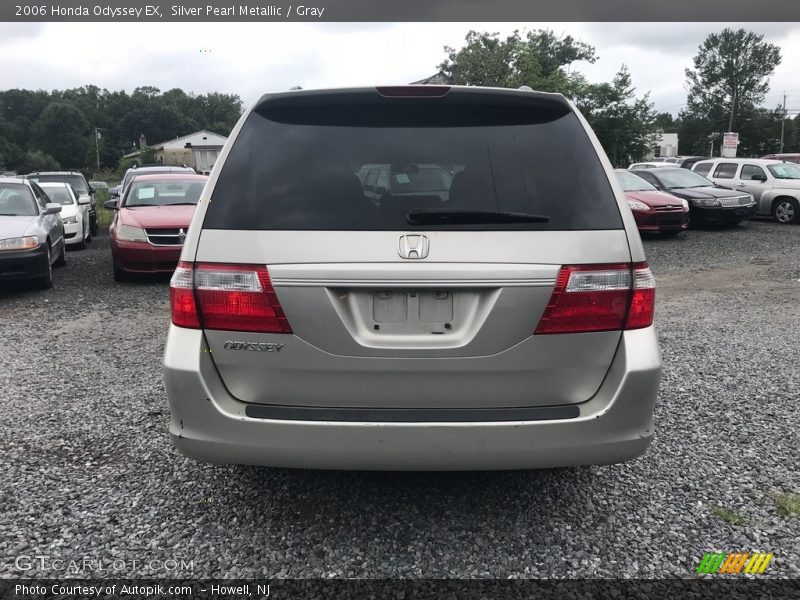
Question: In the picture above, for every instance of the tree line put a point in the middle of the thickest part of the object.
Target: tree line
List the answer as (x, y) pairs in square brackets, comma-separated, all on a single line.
[(727, 84), (56, 129)]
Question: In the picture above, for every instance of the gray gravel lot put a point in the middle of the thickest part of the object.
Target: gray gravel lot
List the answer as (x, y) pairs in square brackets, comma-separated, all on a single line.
[(88, 469)]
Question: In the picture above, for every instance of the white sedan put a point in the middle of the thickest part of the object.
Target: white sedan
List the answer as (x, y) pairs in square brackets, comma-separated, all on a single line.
[(74, 212)]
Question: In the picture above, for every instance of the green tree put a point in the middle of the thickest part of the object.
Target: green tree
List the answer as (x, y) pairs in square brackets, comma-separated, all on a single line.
[(537, 59), (624, 124), (727, 85), (63, 132)]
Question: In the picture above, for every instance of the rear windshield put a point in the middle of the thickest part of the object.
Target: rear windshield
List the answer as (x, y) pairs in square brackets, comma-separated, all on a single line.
[(365, 167)]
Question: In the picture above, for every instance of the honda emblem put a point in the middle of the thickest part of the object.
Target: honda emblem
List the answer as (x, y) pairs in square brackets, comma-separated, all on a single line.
[(414, 246)]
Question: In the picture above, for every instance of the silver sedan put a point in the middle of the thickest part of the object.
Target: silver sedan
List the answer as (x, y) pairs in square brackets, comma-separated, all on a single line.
[(31, 233)]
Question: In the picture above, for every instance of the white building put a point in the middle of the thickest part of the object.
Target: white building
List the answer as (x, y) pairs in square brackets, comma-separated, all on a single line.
[(199, 150), (666, 145)]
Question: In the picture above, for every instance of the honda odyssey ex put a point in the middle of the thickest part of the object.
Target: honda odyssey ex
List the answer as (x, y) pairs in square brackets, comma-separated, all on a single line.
[(506, 323)]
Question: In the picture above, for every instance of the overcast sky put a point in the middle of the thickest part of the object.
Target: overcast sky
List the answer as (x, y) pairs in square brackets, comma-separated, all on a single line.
[(249, 59)]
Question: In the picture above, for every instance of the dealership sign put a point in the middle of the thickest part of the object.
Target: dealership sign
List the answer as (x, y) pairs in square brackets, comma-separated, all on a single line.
[(729, 143)]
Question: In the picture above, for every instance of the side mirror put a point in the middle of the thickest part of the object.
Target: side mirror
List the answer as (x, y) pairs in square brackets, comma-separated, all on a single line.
[(84, 200), (52, 208), (757, 177), (92, 190), (114, 192), (111, 204), (381, 190)]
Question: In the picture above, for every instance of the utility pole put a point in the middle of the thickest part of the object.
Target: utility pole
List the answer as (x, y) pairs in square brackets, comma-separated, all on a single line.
[(97, 146), (783, 120), (733, 108)]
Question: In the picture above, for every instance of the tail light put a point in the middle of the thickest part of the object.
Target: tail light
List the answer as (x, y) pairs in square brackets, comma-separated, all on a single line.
[(600, 298), (229, 297)]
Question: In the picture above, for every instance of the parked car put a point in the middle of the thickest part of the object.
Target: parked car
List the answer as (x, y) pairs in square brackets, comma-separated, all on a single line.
[(507, 327), (99, 185), (405, 180), (78, 181), (650, 165), (31, 233), (654, 211), (147, 170), (774, 185), (74, 212), (151, 222), (686, 162), (792, 157), (708, 203)]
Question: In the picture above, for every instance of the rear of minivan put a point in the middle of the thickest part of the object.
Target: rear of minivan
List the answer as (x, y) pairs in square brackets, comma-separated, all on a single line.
[(321, 319)]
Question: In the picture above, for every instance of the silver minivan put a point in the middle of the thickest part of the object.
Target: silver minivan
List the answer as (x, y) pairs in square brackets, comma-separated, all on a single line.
[(504, 324)]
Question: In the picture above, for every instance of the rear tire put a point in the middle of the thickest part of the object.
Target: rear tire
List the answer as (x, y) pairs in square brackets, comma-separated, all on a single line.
[(786, 211), (45, 282)]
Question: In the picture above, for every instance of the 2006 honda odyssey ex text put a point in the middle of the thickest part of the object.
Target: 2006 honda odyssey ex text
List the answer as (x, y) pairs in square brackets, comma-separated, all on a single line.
[(412, 278)]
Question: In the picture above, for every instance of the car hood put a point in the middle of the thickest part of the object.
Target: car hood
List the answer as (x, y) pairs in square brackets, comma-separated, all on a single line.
[(11, 227), (654, 198), (705, 192), (157, 216)]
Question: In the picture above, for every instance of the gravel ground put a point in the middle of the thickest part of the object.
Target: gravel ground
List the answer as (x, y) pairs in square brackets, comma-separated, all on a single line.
[(89, 470)]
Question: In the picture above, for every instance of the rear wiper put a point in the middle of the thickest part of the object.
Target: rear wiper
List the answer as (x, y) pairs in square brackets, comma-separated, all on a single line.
[(428, 216)]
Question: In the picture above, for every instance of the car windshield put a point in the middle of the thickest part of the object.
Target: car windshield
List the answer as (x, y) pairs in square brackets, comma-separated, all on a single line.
[(163, 193), (681, 178), (633, 183), (77, 181), (16, 200), (785, 171), (59, 194), (151, 171)]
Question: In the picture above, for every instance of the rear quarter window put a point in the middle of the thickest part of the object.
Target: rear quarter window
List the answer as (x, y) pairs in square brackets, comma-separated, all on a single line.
[(300, 169), (703, 168)]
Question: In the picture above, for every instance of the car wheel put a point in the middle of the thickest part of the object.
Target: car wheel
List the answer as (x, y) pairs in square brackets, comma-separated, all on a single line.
[(786, 210), (45, 282), (89, 234), (82, 244), (93, 226), (61, 261), (119, 274)]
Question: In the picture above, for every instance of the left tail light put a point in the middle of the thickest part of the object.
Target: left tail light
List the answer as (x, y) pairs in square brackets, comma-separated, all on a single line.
[(602, 297), (227, 297)]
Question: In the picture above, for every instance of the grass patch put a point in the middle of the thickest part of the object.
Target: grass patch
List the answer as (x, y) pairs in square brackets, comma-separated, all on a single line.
[(104, 216), (788, 504), (729, 516)]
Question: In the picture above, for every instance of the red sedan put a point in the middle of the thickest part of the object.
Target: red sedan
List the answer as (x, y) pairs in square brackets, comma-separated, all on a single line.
[(654, 211), (151, 222)]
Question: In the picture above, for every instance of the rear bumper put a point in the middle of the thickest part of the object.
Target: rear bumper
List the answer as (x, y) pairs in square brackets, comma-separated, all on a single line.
[(141, 257), (208, 424), (26, 264)]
